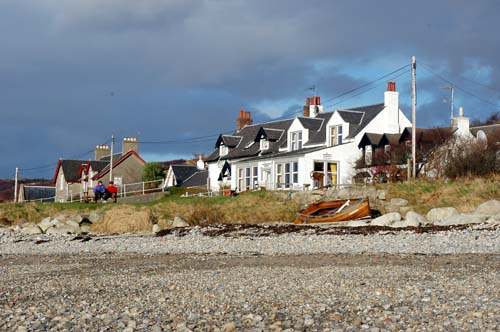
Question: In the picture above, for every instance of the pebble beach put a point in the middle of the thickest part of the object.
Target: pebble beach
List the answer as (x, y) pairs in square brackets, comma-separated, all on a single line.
[(242, 281)]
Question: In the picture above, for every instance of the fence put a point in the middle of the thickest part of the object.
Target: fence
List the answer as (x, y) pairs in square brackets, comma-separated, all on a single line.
[(124, 190)]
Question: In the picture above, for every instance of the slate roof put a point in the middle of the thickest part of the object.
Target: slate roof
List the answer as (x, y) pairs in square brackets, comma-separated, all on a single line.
[(116, 156), (183, 172), (359, 117), (98, 165), (248, 135), (71, 169), (311, 123), (45, 193), (318, 136), (198, 179)]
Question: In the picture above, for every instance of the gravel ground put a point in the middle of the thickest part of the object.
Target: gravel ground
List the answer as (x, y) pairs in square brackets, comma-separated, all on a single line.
[(402, 281), (392, 242)]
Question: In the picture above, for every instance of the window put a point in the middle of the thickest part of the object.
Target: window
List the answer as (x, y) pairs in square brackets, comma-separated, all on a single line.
[(296, 140), (240, 179), (223, 150), (287, 175), (295, 172), (264, 144), (255, 177), (368, 155), (336, 135), (247, 178), (279, 175)]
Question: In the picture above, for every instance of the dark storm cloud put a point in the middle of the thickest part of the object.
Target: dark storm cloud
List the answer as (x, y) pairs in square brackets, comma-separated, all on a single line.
[(73, 72)]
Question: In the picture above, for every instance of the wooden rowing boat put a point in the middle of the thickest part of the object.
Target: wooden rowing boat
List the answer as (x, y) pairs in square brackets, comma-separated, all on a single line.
[(333, 211)]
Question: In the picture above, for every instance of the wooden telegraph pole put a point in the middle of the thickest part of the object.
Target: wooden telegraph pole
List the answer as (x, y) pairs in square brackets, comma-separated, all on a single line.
[(111, 158), (15, 185), (414, 116)]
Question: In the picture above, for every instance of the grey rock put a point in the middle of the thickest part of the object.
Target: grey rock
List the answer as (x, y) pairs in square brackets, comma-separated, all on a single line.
[(399, 202), (179, 222), (415, 219), (357, 223), (441, 214), (386, 219), (489, 208), (381, 194), (461, 219), (30, 229)]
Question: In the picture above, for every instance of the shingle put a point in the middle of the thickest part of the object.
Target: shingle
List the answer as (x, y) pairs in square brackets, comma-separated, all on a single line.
[(71, 169), (319, 136), (368, 114), (182, 172), (198, 179), (32, 193)]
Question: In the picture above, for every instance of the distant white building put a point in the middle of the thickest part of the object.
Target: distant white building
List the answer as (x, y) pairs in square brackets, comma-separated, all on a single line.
[(314, 150)]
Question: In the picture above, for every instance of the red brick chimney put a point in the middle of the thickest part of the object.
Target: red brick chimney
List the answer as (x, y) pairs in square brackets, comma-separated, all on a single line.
[(312, 107), (243, 120)]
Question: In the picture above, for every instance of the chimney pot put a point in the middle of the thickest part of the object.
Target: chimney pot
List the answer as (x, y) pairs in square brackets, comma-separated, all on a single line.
[(391, 86), (318, 100)]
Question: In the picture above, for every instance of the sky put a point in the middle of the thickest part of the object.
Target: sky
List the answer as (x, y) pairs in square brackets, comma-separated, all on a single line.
[(175, 73)]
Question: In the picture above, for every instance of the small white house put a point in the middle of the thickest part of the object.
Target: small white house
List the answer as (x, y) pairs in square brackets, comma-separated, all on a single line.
[(315, 150)]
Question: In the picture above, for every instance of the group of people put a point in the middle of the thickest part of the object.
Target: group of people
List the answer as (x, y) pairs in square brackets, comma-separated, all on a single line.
[(102, 192)]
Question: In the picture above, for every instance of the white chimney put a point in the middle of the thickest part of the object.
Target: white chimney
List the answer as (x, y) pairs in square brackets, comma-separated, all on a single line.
[(391, 103), (461, 124)]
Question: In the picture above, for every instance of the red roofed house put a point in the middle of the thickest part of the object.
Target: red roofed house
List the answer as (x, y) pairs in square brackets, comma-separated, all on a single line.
[(73, 178)]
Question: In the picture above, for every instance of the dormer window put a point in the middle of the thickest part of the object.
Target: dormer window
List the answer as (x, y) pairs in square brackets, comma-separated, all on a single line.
[(264, 144), (296, 140), (223, 150), (335, 135)]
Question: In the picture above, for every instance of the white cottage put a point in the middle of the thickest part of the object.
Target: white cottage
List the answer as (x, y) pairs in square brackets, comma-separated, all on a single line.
[(315, 150)]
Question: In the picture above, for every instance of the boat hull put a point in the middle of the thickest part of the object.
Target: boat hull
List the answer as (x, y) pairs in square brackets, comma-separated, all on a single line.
[(327, 211)]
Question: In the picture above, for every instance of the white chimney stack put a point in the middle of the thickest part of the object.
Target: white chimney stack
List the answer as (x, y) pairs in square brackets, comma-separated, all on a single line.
[(461, 124), (391, 103)]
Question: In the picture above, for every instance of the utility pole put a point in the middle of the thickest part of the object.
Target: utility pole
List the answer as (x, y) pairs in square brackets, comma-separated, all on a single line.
[(452, 101), (414, 115), (111, 158), (15, 185)]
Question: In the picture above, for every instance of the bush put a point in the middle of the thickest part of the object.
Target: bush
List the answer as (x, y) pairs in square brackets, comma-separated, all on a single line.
[(472, 159), (152, 172)]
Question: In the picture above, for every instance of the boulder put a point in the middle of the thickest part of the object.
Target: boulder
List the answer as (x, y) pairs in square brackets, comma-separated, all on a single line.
[(400, 224), (386, 219), (156, 228), (489, 208), (179, 222), (461, 219), (415, 219), (357, 223), (438, 214), (381, 194), (45, 224), (85, 228), (399, 202), (494, 219), (30, 229), (95, 216)]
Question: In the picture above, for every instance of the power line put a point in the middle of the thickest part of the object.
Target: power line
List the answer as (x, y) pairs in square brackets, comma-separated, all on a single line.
[(366, 90), (426, 67), (480, 84), (367, 84)]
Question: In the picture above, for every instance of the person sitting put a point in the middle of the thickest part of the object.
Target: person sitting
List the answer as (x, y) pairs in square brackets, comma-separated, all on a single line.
[(111, 191), (99, 191)]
